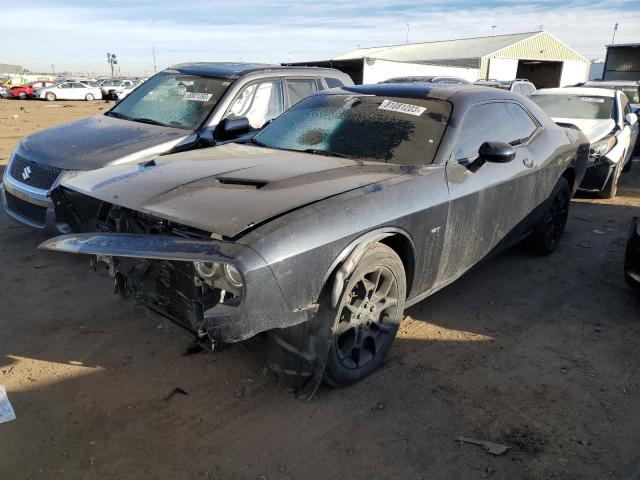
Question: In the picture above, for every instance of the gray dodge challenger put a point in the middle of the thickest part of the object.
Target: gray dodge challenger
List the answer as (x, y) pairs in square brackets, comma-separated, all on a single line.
[(351, 206)]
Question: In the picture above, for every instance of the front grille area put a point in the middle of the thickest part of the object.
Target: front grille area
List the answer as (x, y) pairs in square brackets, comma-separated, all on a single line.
[(34, 213), (38, 176)]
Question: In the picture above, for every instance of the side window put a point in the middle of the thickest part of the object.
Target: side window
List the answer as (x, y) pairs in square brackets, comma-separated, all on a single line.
[(78, 85), (333, 82), (298, 89), (522, 123), (259, 102), (482, 123), (66, 85)]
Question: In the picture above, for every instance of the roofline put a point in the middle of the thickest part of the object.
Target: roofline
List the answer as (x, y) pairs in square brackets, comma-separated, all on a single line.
[(623, 45), (537, 34), (449, 40)]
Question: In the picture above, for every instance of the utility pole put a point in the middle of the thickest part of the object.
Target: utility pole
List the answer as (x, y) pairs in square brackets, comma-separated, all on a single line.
[(407, 33), (153, 49), (53, 70), (615, 29), (111, 59), (493, 29)]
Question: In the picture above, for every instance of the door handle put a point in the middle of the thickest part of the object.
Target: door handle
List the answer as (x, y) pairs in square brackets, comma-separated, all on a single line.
[(528, 162)]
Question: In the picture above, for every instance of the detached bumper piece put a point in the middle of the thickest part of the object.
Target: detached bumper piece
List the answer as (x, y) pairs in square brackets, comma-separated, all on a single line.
[(597, 173), (632, 257)]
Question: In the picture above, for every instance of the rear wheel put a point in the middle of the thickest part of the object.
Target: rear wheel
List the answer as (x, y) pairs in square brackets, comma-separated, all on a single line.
[(50, 96), (89, 97), (22, 95), (547, 234)]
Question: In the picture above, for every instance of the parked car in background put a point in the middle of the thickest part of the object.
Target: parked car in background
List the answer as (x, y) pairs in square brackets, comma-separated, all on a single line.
[(184, 107), (427, 79), (28, 91), (521, 86), (110, 85), (349, 207), (4, 92), (630, 88), (605, 116), (119, 93), (70, 91), (632, 257)]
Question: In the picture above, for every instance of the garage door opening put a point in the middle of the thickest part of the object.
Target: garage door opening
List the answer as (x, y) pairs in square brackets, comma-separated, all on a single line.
[(541, 74)]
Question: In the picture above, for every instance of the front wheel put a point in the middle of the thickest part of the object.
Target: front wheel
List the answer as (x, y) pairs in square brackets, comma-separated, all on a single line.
[(89, 97), (548, 232), (610, 189), (50, 97), (342, 345), (367, 318), (22, 95)]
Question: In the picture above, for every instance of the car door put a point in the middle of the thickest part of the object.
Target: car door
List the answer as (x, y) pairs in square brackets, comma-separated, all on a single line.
[(64, 91), (487, 200)]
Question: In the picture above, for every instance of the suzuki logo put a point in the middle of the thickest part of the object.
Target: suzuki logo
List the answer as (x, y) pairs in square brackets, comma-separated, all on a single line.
[(26, 173)]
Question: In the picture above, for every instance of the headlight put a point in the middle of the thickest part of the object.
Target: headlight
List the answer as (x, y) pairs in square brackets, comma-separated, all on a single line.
[(232, 275), (604, 146), (206, 270)]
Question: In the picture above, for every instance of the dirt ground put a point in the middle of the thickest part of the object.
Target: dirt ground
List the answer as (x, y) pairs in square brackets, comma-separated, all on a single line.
[(540, 354)]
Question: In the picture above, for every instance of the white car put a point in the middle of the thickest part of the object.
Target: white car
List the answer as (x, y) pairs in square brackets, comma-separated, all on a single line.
[(110, 85), (605, 117), (120, 92), (70, 91)]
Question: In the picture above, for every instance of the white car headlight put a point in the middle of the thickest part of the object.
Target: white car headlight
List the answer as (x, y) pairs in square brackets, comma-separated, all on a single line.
[(604, 146)]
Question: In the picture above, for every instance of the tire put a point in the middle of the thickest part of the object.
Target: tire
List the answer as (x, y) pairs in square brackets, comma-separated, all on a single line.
[(367, 318), (306, 354), (89, 97), (610, 189), (22, 95), (546, 235), (50, 96)]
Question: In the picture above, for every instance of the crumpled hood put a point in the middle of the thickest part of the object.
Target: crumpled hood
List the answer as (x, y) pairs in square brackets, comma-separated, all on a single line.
[(593, 129), (229, 188), (94, 142)]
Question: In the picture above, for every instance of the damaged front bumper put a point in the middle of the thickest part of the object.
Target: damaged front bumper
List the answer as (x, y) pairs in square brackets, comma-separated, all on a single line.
[(157, 271), (601, 167)]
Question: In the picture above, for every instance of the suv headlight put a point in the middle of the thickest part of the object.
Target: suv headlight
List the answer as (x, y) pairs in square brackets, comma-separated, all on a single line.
[(604, 146)]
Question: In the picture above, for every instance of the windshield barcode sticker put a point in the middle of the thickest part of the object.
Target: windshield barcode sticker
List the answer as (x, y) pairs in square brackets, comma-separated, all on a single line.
[(198, 97), (402, 108), (592, 99)]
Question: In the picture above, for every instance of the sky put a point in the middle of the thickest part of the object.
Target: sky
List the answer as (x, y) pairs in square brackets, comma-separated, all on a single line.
[(75, 35)]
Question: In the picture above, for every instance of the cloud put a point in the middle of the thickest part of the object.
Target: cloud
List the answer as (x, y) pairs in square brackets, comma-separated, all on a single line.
[(76, 37)]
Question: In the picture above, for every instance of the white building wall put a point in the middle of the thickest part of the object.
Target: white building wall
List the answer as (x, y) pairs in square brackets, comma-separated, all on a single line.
[(378, 70), (573, 72)]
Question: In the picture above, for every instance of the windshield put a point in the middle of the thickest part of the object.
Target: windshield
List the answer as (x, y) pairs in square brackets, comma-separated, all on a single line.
[(403, 131), (575, 106), (172, 99)]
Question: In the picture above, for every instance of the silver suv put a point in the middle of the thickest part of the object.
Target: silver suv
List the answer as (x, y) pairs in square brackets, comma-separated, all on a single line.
[(184, 107)]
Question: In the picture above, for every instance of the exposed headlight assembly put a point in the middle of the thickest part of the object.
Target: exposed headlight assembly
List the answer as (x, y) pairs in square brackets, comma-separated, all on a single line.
[(604, 146), (219, 275)]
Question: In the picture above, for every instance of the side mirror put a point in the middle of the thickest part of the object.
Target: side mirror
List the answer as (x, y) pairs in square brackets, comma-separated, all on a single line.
[(631, 118), (497, 152), (233, 127)]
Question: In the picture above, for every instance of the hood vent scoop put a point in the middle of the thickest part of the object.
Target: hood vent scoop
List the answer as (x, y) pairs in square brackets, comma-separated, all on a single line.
[(240, 183)]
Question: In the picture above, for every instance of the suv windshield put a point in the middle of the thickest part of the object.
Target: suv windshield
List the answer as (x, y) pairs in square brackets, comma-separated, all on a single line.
[(403, 131), (575, 106), (172, 99)]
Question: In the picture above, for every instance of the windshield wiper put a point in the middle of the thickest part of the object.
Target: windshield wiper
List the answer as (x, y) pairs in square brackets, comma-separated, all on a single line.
[(147, 120), (117, 115), (257, 143), (328, 153)]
